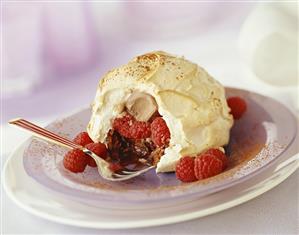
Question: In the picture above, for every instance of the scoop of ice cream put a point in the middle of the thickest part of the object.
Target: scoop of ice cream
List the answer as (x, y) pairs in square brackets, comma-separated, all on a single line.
[(192, 103), (141, 105)]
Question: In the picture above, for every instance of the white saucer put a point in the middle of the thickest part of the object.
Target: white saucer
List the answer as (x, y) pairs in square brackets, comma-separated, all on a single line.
[(40, 201)]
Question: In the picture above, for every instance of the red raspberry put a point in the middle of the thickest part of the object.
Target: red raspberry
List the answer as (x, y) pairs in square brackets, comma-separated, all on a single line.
[(237, 105), (220, 155), (129, 127), (99, 149), (75, 161), (207, 165), (115, 167), (160, 132), (185, 169), (82, 139)]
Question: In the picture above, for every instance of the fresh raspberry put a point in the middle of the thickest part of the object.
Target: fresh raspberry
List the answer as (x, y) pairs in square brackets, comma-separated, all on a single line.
[(75, 161), (129, 127), (115, 167), (220, 155), (185, 169), (207, 165), (160, 132), (237, 105), (99, 149), (82, 139)]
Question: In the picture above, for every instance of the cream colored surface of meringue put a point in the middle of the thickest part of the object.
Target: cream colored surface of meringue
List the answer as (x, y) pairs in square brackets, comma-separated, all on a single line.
[(192, 103)]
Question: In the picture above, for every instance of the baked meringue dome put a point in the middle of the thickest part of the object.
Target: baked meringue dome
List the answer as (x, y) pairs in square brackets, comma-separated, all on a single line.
[(191, 102)]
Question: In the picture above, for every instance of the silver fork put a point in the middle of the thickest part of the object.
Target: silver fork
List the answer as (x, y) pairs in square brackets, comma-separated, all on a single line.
[(102, 165)]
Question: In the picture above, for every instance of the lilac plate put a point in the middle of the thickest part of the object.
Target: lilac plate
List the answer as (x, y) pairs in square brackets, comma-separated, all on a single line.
[(257, 141)]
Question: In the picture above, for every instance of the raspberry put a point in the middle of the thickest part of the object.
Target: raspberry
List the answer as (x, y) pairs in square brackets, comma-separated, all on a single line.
[(115, 167), (237, 105), (99, 149), (207, 165), (75, 161), (160, 132), (185, 169), (220, 155), (82, 139), (129, 127)]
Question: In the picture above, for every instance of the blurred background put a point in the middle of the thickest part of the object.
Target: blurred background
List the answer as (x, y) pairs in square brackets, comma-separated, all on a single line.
[(53, 54)]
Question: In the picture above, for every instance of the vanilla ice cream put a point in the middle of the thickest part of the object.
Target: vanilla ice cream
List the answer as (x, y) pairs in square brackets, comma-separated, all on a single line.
[(191, 102)]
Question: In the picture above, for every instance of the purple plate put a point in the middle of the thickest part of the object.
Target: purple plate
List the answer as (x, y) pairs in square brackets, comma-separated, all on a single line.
[(257, 141)]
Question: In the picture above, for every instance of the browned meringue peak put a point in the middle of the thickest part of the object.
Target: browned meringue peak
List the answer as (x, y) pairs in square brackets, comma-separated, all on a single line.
[(141, 105)]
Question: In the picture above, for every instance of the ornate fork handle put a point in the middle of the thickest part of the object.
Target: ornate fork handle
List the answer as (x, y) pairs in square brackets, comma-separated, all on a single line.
[(45, 134)]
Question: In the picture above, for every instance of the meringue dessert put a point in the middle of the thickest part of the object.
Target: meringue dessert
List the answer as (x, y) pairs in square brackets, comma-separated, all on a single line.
[(159, 108)]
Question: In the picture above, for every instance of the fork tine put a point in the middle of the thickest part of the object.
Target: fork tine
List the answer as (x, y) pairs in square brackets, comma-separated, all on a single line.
[(128, 171), (146, 169), (115, 175)]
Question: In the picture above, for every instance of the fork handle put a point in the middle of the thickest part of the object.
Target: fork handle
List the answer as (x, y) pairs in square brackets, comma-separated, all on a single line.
[(44, 134)]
